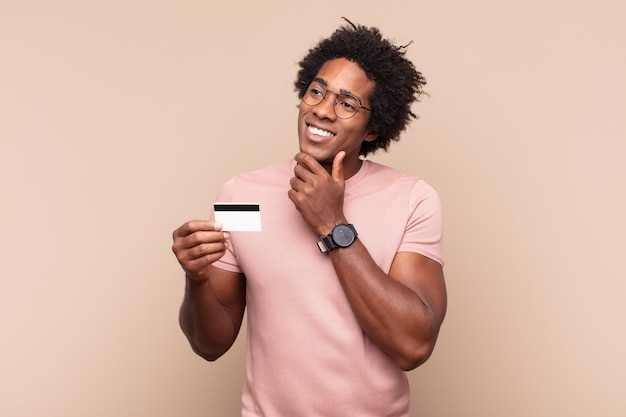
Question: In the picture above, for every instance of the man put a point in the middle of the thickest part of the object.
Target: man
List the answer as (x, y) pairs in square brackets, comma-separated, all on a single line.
[(344, 284)]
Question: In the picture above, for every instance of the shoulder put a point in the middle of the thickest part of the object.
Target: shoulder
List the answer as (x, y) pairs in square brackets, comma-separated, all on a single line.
[(392, 175), (394, 188), (372, 168), (374, 172), (376, 178)]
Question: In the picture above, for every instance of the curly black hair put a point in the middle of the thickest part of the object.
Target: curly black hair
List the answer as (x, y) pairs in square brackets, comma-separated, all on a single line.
[(397, 84)]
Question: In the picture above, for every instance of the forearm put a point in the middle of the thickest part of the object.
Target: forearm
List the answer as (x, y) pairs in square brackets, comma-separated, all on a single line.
[(207, 323), (394, 316)]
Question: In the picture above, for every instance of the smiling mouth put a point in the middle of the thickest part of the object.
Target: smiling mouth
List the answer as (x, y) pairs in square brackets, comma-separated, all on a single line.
[(320, 132)]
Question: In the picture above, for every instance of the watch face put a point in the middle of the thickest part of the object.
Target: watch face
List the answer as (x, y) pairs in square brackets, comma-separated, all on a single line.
[(343, 235)]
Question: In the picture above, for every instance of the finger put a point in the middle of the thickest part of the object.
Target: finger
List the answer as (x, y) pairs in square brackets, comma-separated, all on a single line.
[(206, 249), (337, 171), (300, 171), (198, 268), (308, 162), (295, 182), (203, 237), (193, 226), (191, 244)]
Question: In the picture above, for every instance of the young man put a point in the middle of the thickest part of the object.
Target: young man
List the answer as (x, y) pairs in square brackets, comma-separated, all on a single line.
[(344, 284)]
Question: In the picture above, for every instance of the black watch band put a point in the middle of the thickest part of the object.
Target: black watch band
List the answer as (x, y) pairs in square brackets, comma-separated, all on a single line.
[(342, 236)]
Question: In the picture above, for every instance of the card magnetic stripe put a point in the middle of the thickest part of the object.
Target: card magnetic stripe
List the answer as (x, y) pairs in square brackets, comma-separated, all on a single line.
[(237, 207)]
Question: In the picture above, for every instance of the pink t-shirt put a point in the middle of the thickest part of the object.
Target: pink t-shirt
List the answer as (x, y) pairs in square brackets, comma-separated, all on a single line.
[(306, 354)]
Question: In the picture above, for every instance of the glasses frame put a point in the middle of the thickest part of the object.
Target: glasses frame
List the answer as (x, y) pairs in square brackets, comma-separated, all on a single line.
[(335, 103)]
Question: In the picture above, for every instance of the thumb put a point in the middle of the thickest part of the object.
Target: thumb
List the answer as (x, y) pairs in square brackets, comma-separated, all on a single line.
[(337, 172)]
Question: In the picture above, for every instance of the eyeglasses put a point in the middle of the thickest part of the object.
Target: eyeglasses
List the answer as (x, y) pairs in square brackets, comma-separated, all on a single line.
[(345, 105)]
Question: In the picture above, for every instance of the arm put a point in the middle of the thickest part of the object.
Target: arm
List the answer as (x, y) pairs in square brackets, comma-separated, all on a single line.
[(212, 310), (401, 311)]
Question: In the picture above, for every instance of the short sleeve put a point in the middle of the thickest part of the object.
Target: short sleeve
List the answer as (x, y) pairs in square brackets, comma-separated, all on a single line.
[(424, 232)]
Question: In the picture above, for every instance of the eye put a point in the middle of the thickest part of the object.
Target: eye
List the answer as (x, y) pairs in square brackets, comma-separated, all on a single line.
[(348, 104), (317, 91)]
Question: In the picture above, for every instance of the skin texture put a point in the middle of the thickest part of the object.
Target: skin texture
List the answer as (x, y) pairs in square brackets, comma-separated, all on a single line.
[(401, 311)]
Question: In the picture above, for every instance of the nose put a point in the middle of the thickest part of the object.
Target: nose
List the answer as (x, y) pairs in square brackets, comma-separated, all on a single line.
[(326, 108)]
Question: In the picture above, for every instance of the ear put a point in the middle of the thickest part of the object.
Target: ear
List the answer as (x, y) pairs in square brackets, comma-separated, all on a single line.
[(370, 137)]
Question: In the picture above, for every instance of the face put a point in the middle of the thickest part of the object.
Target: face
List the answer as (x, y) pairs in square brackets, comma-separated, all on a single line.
[(321, 133)]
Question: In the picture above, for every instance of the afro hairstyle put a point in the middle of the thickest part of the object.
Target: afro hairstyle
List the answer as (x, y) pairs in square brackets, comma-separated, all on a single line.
[(397, 84)]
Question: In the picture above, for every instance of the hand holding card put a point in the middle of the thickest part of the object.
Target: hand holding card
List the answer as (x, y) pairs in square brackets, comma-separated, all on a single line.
[(238, 217)]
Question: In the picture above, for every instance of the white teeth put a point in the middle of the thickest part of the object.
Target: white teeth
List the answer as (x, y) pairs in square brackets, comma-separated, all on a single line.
[(320, 132)]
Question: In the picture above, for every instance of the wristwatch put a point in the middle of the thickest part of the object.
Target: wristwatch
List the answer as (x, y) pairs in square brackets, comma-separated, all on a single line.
[(342, 236)]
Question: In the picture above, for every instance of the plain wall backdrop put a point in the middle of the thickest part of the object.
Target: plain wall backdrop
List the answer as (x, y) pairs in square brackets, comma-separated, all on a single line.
[(120, 119)]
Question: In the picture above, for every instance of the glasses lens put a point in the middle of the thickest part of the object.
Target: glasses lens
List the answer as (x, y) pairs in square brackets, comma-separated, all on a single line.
[(314, 94), (346, 106)]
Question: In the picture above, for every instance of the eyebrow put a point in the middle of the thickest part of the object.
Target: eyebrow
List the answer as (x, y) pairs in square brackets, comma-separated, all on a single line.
[(342, 90)]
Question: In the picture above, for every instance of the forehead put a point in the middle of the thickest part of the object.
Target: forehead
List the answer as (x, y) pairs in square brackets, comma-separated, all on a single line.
[(343, 75)]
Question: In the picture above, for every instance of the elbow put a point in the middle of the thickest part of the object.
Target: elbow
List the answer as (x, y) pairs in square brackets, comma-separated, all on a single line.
[(414, 357), (415, 349), (413, 352), (206, 355), (209, 351)]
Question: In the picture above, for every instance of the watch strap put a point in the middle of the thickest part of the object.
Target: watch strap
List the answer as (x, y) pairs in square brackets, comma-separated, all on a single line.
[(327, 243)]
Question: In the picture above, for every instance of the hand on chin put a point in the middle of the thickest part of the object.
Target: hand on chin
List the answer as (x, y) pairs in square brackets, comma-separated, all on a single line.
[(324, 159)]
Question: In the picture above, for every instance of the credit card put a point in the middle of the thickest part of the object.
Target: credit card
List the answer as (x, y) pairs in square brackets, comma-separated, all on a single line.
[(238, 217)]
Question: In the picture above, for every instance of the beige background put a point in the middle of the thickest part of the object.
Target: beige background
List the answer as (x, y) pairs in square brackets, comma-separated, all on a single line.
[(119, 120)]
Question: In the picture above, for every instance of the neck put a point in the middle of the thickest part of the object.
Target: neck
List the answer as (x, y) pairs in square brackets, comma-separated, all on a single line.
[(349, 170)]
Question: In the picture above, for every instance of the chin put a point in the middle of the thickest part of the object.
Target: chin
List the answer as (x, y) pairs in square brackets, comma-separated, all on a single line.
[(320, 156)]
